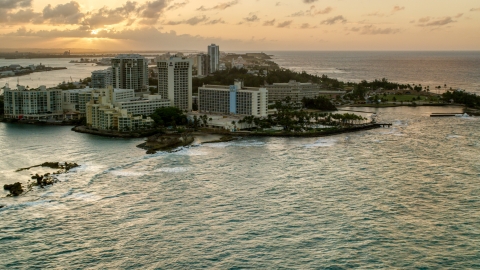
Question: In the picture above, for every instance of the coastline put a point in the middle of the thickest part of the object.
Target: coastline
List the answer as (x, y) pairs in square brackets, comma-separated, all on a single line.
[(116, 134)]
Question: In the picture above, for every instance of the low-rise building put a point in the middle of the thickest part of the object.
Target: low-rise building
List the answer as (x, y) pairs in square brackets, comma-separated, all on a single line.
[(87, 94), (234, 99), (33, 104), (293, 89), (104, 113), (143, 106)]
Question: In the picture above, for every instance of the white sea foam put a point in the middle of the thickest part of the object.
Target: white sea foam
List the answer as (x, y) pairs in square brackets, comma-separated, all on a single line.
[(453, 136), (173, 170), (322, 143), (81, 196), (126, 173)]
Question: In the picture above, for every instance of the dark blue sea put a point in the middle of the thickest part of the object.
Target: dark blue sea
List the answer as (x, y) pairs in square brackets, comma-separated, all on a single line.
[(405, 197)]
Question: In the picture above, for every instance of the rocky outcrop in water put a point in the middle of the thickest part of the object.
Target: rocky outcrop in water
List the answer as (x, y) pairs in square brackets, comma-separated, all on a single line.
[(161, 142), (54, 165), (15, 189), (40, 180)]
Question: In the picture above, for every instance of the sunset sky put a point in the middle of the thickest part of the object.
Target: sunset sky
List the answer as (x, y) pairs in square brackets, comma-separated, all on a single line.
[(241, 24)]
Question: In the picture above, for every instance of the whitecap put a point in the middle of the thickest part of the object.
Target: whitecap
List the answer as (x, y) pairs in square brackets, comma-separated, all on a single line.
[(89, 197), (173, 170), (322, 143), (126, 173)]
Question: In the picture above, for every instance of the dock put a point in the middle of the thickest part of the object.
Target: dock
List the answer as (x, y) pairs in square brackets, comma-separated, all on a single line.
[(443, 114)]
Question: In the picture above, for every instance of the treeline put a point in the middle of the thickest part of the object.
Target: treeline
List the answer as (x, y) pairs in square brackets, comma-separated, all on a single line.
[(227, 77), (318, 103), (362, 88), (462, 97)]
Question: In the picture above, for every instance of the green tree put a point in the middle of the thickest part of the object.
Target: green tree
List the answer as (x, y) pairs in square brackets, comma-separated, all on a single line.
[(168, 116)]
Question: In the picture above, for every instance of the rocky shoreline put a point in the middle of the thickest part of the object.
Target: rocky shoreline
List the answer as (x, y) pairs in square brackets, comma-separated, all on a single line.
[(116, 134), (165, 142), (17, 188)]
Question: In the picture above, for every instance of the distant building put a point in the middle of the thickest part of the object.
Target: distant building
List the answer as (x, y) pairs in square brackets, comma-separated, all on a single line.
[(101, 78), (130, 71), (175, 81), (234, 99), (203, 64), (214, 55), (34, 104), (293, 89)]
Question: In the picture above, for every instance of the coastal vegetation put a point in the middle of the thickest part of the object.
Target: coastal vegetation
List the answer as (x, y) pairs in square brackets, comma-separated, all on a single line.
[(319, 103), (169, 116), (462, 97), (291, 119), (227, 77)]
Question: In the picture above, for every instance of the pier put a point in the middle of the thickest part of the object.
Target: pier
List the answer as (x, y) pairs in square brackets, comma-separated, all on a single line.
[(443, 114)]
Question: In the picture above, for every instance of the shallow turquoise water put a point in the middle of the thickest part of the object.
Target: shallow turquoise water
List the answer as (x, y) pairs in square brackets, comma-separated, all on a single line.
[(405, 197)]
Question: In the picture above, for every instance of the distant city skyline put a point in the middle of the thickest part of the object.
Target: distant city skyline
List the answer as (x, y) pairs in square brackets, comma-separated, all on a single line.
[(241, 25)]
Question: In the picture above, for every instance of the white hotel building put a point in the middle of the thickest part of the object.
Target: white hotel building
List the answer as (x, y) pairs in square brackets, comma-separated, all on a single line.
[(34, 104), (175, 82), (234, 100)]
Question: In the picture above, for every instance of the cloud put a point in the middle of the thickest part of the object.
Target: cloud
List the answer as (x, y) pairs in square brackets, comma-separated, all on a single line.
[(313, 11), (376, 14), (151, 11), (21, 16), (475, 9), (148, 38), (307, 26), (269, 23), (13, 4), (106, 16), (68, 13), (309, 1), (424, 19), (427, 22), (297, 14), (216, 21), (192, 21), (397, 9), (177, 5), (334, 20), (284, 24), (221, 6), (252, 18), (373, 30)]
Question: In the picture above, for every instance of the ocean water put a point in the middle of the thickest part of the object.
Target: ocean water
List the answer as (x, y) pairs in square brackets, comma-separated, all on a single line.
[(74, 71), (405, 197), (456, 69)]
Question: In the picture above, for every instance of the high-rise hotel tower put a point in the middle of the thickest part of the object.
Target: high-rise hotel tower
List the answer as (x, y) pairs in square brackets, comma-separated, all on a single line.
[(130, 71), (175, 81), (214, 55)]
